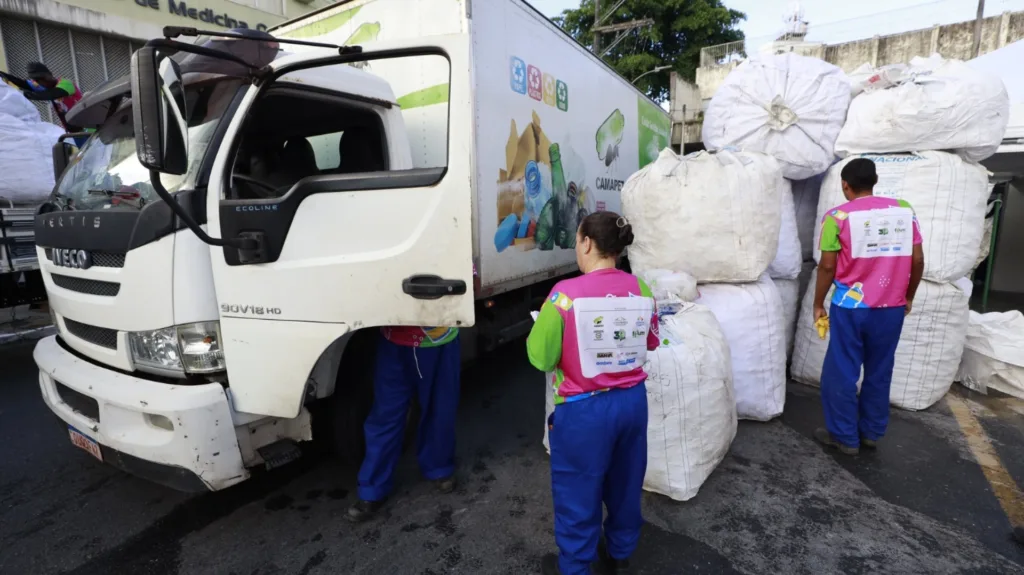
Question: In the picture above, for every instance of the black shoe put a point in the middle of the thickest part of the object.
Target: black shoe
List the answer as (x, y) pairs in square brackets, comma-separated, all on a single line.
[(549, 565), (363, 510), (868, 443), (608, 565), (446, 485), (1018, 535), (822, 436)]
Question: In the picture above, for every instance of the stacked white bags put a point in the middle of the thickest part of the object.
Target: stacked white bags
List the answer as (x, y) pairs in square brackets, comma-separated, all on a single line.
[(790, 107), (26, 145), (691, 402), (934, 104), (787, 106), (994, 353), (717, 216), (928, 354)]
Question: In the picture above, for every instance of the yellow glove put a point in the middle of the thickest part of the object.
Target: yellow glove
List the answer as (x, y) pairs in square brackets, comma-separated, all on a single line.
[(822, 326)]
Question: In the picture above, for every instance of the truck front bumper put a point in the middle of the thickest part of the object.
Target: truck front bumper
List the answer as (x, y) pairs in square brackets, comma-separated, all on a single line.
[(178, 435)]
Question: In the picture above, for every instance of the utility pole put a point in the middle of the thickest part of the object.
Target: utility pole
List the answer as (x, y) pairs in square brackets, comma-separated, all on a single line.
[(977, 28), (622, 29)]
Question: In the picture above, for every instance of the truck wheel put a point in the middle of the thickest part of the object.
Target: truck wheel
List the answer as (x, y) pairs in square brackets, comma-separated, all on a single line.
[(350, 404)]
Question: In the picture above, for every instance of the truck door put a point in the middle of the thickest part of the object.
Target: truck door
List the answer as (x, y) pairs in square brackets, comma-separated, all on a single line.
[(356, 179)]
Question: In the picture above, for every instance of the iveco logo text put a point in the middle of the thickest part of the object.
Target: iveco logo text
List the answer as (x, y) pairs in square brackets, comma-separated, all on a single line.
[(249, 309), (73, 222), (78, 259), (257, 208)]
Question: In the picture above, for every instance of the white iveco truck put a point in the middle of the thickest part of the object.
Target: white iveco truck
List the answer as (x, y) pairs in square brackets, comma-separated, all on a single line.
[(221, 255)]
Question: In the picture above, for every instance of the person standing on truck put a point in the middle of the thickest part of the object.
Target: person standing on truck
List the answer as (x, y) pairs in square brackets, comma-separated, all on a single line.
[(594, 332), (871, 253), (43, 86), (421, 362)]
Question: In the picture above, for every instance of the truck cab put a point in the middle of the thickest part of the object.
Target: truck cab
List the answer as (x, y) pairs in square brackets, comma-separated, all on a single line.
[(220, 255)]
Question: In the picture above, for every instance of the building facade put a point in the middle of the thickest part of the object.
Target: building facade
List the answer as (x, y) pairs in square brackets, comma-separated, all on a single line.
[(91, 41)]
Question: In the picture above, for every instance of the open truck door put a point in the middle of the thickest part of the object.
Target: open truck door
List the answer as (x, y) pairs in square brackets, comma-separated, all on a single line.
[(324, 217), (377, 235)]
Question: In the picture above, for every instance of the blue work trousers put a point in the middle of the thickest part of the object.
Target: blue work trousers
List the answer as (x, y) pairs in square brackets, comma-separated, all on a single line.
[(432, 375), (598, 454), (859, 337)]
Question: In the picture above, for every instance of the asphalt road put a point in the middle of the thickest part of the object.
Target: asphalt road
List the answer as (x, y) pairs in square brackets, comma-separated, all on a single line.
[(779, 503)]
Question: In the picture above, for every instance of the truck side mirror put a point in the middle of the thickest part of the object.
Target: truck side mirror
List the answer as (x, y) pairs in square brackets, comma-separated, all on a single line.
[(160, 112), (61, 158)]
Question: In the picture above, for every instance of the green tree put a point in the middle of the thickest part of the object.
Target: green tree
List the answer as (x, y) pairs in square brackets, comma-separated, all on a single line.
[(681, 28)]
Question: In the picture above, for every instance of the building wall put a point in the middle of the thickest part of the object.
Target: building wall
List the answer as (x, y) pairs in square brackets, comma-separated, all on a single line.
[(686, 111), (144, 19)]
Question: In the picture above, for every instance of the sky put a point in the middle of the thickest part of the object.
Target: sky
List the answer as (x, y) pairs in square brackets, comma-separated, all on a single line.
[(834, 21)]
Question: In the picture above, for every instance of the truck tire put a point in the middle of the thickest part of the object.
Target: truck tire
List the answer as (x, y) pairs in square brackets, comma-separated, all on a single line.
[(347, 409), (350, 404)]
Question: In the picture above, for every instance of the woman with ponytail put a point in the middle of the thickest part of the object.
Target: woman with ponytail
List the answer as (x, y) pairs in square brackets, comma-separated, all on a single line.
[(594, 332)]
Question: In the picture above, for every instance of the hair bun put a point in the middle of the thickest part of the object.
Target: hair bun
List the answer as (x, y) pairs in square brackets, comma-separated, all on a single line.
[(625, 235)]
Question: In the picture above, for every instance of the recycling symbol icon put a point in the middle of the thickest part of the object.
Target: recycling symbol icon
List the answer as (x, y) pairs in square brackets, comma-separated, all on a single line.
[(517, 71), (535, 78)]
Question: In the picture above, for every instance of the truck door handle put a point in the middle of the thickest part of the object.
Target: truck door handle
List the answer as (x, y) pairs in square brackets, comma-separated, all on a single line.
[(432, 287)]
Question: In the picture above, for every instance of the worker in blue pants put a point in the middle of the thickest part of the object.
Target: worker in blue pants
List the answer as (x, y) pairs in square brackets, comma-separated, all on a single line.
[(869, 338), (606, 432), (411, 362)]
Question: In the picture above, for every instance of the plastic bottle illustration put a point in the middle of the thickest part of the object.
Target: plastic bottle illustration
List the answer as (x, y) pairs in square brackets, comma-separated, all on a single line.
[(534, 192), (564, 237)]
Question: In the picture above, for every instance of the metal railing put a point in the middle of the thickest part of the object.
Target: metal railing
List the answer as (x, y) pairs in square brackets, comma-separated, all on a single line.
[(722, 54)]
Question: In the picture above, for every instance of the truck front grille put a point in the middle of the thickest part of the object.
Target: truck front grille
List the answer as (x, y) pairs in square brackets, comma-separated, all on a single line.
[(100, 336), (99, 259), (83, 404), (82, 285)]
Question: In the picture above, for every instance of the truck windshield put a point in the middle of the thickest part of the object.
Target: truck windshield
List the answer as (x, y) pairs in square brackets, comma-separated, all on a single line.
[(106, 174)]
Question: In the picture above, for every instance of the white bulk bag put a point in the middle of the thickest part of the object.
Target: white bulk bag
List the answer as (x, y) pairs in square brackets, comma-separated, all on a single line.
[(805, 201), (928, 354), (26, 159), (13, 103), (26, 144), (715, 216), (948, 195), (691, 402), (789, 295), (994, 353), (788, 106), (752, 319), (788, 258), (937, 105)]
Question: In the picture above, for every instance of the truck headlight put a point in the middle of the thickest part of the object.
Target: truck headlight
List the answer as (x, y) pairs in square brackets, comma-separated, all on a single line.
[(189, 348)]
